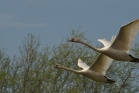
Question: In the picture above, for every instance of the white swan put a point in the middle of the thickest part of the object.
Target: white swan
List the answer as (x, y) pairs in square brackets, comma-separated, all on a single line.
[(119, 50), (97, 70)]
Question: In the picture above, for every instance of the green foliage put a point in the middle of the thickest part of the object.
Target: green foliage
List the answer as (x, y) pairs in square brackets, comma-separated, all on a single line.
[(33, 70)]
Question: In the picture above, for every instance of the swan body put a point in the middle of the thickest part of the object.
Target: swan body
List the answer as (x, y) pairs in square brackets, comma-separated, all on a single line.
[(96, 71), (119, 49), (116, 54)]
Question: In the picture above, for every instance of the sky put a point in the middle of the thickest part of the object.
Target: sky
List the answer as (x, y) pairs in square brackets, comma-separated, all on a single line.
[(53, 20)]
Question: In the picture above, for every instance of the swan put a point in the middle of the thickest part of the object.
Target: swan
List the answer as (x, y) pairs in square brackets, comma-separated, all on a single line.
[(96, 71), (119, 49)]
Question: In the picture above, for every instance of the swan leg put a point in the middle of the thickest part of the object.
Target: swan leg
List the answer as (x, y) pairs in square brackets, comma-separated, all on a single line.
[(109, 80), (134, 59)]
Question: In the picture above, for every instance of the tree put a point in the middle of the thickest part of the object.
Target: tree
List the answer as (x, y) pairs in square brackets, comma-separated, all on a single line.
[(6, 80), (33, 70)]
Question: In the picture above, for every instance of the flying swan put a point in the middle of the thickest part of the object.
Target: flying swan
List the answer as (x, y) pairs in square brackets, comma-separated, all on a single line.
[(97, 70), (119, 49)]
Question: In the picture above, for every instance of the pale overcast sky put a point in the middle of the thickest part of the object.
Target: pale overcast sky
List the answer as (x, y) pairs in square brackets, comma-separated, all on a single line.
[(53, 20)]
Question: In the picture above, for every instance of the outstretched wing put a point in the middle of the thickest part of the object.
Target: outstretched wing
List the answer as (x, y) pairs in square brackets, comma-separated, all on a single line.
[(126, 36), (107, 43), (101, 64), (82, 64)]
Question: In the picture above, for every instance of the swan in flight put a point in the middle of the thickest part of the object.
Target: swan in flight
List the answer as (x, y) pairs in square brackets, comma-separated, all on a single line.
[(119, 49), (96, 71)]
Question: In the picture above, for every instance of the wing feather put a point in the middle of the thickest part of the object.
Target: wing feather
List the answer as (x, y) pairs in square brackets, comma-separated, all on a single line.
[(105, 42), (82, 64), (101, 64), (126, 36)]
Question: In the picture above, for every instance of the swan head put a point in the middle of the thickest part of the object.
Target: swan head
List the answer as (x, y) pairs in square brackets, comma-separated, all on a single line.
[(58, 66), (74, 40)]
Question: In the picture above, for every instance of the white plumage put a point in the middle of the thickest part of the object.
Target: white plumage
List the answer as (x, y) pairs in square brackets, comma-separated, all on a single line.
[(82, 64), (97, 70), (119, 50)]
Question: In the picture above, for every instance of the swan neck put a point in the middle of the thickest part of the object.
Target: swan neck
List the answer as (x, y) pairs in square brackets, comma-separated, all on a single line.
[(69, 69), (96, 49)]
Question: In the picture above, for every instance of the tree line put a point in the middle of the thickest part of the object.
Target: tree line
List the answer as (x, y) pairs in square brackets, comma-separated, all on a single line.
[(33, 70)]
